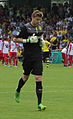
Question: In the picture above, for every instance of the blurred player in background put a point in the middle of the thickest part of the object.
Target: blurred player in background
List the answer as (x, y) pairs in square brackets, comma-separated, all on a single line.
[(13, 54), (5, 51), (54, 42), (64, 55), (70, 52), (1, 45), (46, 51)]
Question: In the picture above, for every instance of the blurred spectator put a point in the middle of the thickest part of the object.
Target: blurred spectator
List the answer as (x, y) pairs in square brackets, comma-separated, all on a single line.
[(57, 22), (20, 54)]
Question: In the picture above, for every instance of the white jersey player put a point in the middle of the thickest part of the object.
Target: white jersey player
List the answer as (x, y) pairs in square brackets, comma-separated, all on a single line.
[(5, 51), (13, 47), (1, 45), (64, 55), (13, 53), (70, 52)]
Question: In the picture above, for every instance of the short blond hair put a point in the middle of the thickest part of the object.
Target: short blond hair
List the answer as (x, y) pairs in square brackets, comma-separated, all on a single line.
[(37, 13)]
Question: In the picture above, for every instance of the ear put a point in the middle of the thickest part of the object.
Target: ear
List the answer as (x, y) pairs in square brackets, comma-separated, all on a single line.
[(32, 18)]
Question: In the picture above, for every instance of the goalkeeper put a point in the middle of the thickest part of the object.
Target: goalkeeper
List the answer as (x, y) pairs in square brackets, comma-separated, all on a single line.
[(30, 36)]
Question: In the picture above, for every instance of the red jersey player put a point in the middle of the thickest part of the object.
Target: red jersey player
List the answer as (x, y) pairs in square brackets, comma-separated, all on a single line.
[(70, 52), (64, 55), (13, 54), (5, 51), (1, 45)]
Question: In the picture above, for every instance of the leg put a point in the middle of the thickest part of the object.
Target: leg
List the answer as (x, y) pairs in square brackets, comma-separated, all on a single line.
[(16, 61), (0, 55), (39, 91), (20, 85), (64, 59), (10, 58), (39, 88), (22, 82), (47, 61), (2, 60), (47, 58), (10, 61), (44, 57), (6, 60), (70, 60)]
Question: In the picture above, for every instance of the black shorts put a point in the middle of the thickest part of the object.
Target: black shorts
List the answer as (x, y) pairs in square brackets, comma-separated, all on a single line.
[(46, 54), (54, 47), (32, 66)]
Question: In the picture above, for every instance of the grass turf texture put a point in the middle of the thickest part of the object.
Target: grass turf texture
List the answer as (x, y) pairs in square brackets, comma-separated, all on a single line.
[(57, 94)]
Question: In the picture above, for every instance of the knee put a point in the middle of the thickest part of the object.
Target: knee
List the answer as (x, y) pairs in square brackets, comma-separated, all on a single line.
[(38, 78), (25, 78)]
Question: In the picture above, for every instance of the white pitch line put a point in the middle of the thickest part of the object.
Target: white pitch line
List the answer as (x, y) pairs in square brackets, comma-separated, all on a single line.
[(3, 92), (48, 91)]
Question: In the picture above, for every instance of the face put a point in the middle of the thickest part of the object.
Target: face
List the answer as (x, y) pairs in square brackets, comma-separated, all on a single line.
[(36, 20)]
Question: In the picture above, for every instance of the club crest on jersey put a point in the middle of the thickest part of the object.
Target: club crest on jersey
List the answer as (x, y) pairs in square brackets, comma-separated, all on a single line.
[(23, 71), (40, 28)]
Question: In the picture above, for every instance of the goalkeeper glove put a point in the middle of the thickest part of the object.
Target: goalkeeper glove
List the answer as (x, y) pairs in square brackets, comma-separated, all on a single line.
[(31, 39)]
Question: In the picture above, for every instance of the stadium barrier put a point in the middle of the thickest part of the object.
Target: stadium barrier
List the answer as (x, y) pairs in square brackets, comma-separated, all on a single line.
[(56, 57)]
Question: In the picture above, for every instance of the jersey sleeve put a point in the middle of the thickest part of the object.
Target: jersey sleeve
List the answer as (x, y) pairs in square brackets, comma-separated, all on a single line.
[(15, 44), (9, 45), (70, 46), (22, 33), (48, 43)]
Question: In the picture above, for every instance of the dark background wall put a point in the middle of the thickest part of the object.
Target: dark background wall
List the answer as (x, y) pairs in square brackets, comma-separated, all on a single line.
[(34, 3), (71, 1)]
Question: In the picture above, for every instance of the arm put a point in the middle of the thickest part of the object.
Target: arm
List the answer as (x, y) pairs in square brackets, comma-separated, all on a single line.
[(32, 39), (14, 48), (9, 47), (18, 40), (21, 36), (24, 38), (2, 46), (70, 48), (42, 40)]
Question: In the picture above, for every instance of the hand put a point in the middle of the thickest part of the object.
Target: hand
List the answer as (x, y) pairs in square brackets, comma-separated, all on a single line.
[(33, 39), (15, 40)]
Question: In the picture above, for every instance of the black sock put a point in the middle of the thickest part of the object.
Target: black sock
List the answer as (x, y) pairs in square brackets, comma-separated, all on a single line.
[(47, 61), (20, 85), (39, 91)]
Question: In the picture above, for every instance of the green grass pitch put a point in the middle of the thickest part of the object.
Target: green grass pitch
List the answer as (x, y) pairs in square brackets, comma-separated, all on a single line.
[(57, 94)]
